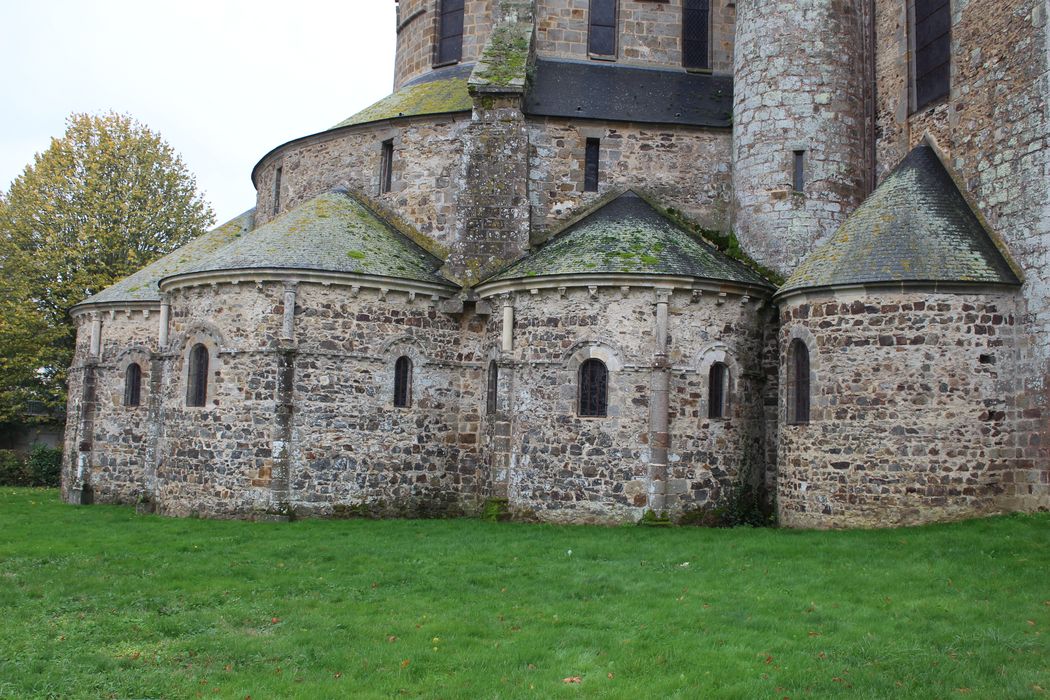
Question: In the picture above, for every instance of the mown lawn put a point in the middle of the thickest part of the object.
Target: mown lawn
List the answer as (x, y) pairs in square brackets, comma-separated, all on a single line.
[(99, 602)]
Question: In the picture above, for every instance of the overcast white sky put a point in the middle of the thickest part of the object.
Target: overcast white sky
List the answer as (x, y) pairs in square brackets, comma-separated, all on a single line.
[(223, 81)]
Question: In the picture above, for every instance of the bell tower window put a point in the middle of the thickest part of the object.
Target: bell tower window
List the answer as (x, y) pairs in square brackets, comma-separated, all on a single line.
[(450, 32), (696, 34), (601, 39), (931, 23)]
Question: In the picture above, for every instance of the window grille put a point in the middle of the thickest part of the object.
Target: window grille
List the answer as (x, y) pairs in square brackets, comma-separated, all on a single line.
[(197, 377), (590, 165), (602, 36), (450, 35), (403, 382), (798, 383), (594, 388), (931, 34), (696, 34), (133, 385), (717, 383)]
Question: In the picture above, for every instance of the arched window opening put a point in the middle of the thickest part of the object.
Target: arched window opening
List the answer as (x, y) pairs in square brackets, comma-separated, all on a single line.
[(798, 383), (133, 385), (718, 391), (492, 394), (594, 388), (197, 377), (403, 382)]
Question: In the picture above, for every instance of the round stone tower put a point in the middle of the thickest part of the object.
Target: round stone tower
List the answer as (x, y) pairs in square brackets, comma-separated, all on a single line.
[(434, 34), (800, 127)]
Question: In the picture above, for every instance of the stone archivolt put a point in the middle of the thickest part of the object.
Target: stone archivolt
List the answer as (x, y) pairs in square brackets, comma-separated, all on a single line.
[(448, 237)]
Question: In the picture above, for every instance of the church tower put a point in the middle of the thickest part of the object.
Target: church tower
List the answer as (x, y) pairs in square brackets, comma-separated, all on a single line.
[(801, 143)]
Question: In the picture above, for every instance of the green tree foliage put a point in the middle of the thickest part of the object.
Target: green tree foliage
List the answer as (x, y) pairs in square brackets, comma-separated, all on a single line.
[(105, 199)]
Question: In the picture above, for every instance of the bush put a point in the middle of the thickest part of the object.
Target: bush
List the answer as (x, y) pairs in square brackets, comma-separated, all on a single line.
[(12, 469), (44, 467)]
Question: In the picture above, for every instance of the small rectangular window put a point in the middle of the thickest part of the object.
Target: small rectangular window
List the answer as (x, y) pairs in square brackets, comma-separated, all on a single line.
[(386, 167), (590, 165), (277, 191), (696, 36), (799, 181), (931, 63), (450, 32), (601, 39)]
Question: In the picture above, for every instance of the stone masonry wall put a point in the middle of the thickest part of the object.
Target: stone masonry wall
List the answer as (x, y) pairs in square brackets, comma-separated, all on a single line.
[(994, 128), (799, 86), (910, 396), (418, 31), (648, 33), (427, 172), (568, 468), (493, 205), (351, 447), (122, 432), (686, 167), (218, 459)]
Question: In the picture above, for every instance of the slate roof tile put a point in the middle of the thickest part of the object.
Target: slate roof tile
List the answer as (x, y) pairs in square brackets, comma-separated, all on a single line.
[(142, 285), (333, 232), (916, 226), (628, 236)]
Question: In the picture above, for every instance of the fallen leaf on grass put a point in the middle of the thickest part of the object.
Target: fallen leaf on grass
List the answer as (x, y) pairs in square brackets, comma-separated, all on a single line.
[(610, 676), (405, 663), (391, 639), (572, 679), (338, 675), (1031, 622)]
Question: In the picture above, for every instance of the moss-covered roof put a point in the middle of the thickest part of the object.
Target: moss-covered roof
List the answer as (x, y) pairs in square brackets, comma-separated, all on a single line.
[(915, 227), (142, 286), (438, 92), (333, 232), (628, 236)]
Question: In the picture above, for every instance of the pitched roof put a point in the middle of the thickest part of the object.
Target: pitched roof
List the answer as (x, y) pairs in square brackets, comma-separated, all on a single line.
[(915, 227), (438, 92), (629, 236), (142, 285), (333, 232), (590, 90)]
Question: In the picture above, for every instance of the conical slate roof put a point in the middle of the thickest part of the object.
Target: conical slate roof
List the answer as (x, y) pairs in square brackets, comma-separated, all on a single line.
[(629, 236), (915, 227), (142, 286), (333, 232)]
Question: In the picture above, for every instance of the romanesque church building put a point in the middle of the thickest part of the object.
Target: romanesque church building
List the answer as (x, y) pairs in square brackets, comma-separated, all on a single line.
[(601, 257)]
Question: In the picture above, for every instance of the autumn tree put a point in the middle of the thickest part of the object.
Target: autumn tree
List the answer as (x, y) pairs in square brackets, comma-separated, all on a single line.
[(105, 199)]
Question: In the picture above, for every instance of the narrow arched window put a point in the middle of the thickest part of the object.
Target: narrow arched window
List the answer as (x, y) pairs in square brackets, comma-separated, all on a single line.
[(492, 394), (798, 383), (403, 382), (594, 388), (197, 377), (718, 385), (133, 385)]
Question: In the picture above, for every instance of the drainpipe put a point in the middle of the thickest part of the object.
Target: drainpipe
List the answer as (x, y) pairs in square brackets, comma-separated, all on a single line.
[(659, 417)]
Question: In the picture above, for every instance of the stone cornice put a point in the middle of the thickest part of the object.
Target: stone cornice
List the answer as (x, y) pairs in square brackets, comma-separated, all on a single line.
[(291, 276), (669, 282), (905, 287)]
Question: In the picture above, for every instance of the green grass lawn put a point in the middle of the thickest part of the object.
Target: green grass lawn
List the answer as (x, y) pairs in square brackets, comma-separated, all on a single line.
[(98, 602)]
